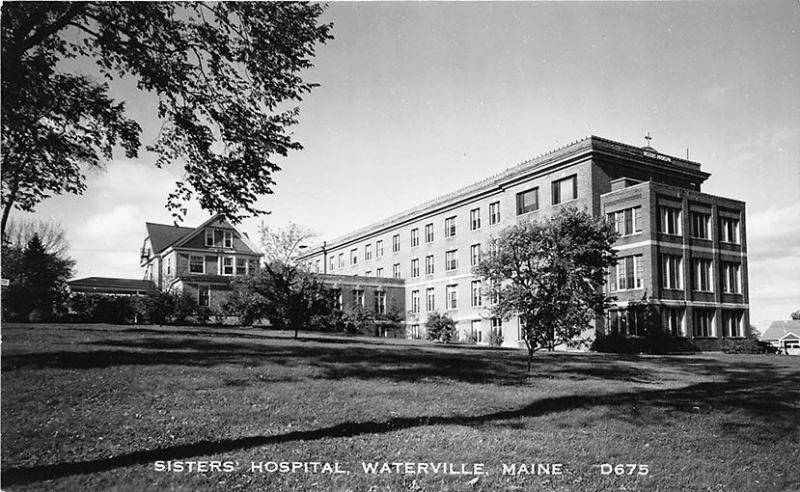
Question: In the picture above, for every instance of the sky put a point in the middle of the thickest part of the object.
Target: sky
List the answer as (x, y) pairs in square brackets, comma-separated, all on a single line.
[(419, 99)]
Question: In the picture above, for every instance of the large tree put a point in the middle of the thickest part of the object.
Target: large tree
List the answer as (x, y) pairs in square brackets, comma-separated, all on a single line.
[(549, 273), (284, 244), (224, 74)]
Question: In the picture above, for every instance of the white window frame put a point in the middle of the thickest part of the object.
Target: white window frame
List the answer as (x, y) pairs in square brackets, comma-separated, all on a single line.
[(222, 265), (731, 271), (450, 226), (246, 266), (620, 273), (415, 268), (430, 299), (430, 265), (354, 256), (702, 273), (494, 213), (724, 237), (451, 297), (415, 237), (665, 214), (475, 294), (617, 218), (396, 243), (451, 260), (696, 332), (667, 281), (368, 252), (396, 271), (379, 248), (227, 239), (429, 235), (706, 229), (199, 297), (211, 237), (203, 262), (474, 254), (415, 301), (475, 219)]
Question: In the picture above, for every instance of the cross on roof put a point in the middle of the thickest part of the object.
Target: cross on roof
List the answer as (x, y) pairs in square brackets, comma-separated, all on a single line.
[(648, 138)]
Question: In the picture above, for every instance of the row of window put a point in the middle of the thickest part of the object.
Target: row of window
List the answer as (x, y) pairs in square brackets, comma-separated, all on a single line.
[(219, 237), (379, 300), (702, 276), (670, 222), (450, 263), (475, 333), (562, 190), (226, 265), (632, 322), (450, 297), (627, 274)]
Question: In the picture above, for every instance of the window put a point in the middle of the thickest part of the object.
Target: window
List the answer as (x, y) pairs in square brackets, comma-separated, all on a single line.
[(494, 247), (396, 270), (169, 266), (316, 265), (227, 265), (415, 268), (414, 301), (565, 190), (429, 233), (429, 265), (476, 293), (204, 295), (241, 266), (358, 297), (380, 302), (625, 322), (354, 256), (341, 260), (627, 273), (474, 254), (494, 213), (451, 297), (672, 272), (450, 227), (474, 219), (368, 252), (701, 277), (700, 223), (415, 331), (379, 249), (379, 272), (527, 201), (703, 322), (450, 260), (395, 243), (227, 239), (430, 300), (730, 278), (731, 324), (209, 237), (414, 237), (672, 321), (627, 222), (670, 221), (197, 264), (729, 230), (331, 263), (497, 327), (477, 333)]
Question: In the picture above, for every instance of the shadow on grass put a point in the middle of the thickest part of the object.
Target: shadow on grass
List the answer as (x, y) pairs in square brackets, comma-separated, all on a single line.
[(775, 405)]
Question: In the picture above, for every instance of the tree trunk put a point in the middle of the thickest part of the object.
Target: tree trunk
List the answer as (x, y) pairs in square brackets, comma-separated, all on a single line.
[(6, 211)]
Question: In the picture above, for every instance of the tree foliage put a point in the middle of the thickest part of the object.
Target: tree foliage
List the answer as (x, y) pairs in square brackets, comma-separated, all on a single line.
[(440, 327), (225, 75), (37, 282), (287, 295), (51, 234), (796, 315), (549, 273), (283, 245)]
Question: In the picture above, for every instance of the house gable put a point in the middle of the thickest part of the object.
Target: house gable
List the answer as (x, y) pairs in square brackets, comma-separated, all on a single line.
[(217, 227)]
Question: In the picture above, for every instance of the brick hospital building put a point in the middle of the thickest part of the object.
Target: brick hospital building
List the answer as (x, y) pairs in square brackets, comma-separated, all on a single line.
[(681, 249)]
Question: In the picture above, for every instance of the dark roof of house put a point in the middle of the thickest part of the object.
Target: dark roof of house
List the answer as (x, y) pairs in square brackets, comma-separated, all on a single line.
[(106, 285), (163, 235), (779, 329)]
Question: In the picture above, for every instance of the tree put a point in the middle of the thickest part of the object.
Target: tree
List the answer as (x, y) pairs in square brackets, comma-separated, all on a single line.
[(284, 244), (796, 315), (37, 287), (440, 327), (225, 75), (287, 295), (549, 273), (50, 233)]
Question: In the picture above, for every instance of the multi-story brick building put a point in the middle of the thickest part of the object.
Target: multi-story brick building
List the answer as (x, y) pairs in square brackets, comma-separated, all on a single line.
[(200, 261), (681, 249)]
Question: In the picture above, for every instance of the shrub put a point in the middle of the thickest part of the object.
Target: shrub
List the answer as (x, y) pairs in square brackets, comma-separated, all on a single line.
[(657, 342), (160, 307), (203, 314), (495, 338), (748, 346), (440, 327)]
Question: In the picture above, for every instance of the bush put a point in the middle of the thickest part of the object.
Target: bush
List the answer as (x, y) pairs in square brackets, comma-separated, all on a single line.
[(440, 327), (655, 343), (748, 346), (97, 308), (495, 338)]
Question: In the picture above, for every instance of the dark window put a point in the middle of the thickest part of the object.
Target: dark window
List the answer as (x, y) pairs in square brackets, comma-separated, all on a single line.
[(527, 201), (565, 190)]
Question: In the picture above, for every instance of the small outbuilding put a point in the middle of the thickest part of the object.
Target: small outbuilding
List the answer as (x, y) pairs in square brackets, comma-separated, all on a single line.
[(785, 335)]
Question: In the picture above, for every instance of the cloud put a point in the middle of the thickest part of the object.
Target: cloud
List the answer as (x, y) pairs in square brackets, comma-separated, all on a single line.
[(774, 232)]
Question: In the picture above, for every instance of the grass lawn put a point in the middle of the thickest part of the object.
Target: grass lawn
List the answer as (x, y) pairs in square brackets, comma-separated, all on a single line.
[(95, 407)]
